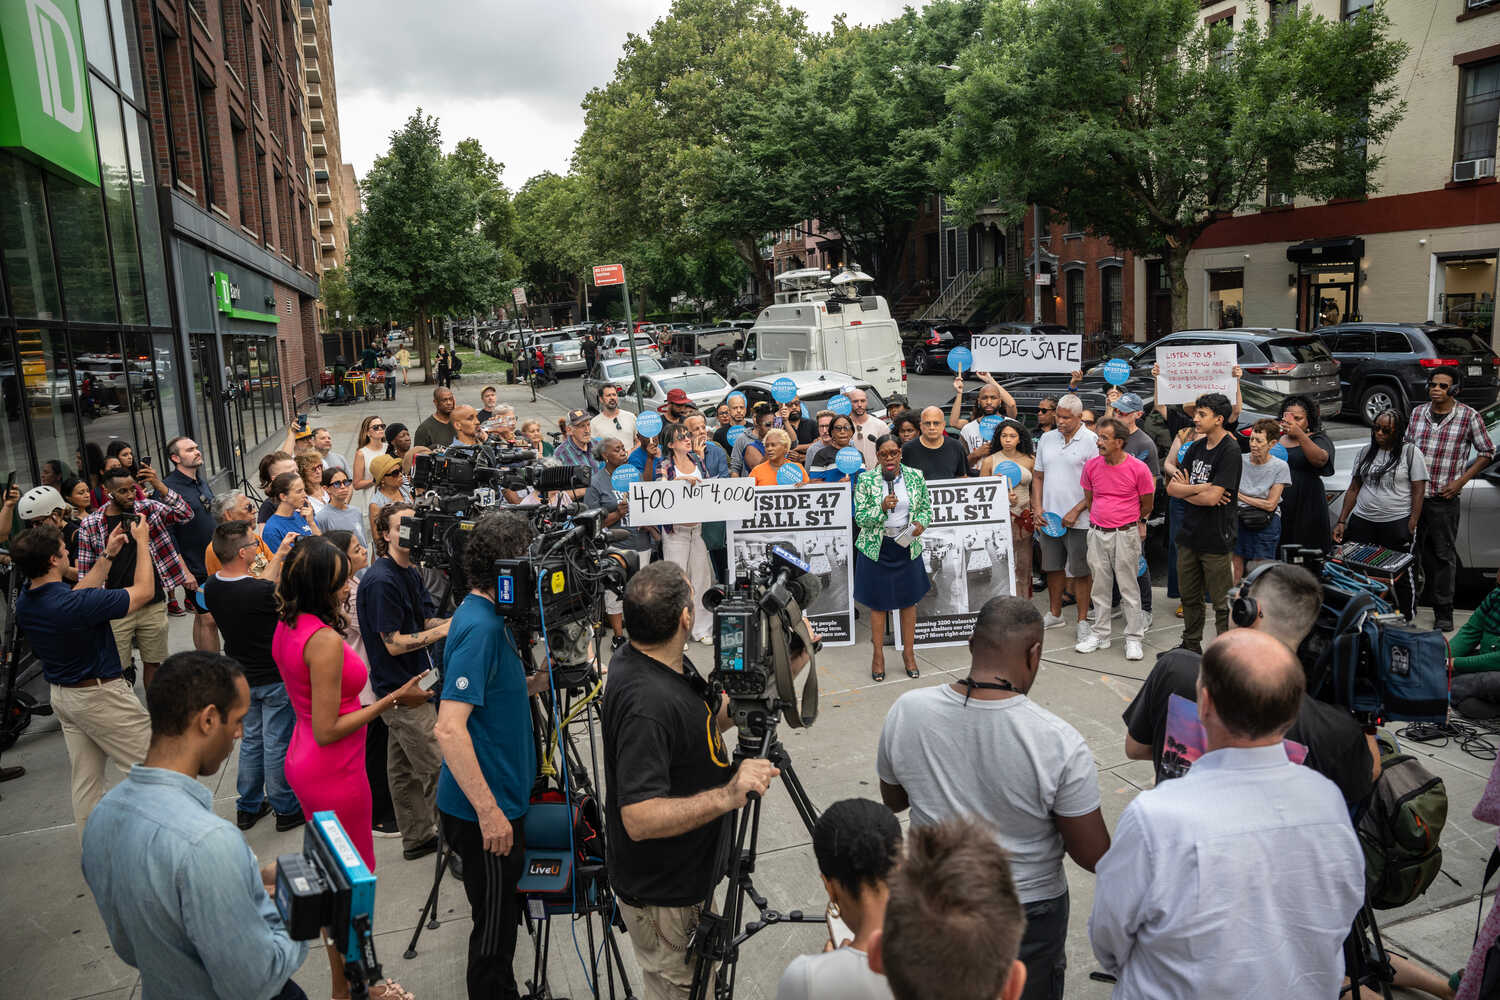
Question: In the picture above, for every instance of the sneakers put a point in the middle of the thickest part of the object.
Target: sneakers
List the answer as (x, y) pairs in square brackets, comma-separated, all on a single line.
[(385, 828), (245, 820), (1090, 643), (289, 821), (1049, 620), (1133, 650), (1085, 629), (1146, 620)]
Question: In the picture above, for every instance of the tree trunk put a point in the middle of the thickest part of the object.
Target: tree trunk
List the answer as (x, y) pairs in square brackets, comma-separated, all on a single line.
[(1177, 271)]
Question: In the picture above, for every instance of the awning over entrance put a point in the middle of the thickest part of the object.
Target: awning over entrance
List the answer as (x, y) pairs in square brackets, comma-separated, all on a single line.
[(1344, 249)]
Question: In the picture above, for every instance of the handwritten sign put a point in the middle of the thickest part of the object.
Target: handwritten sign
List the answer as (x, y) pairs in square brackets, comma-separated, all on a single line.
[(1188, 372), (675, 501), (1028, 352)]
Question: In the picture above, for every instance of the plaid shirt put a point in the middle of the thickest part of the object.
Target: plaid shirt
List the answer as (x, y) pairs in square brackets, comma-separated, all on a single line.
[(1446, 445), (160, 514), (568, 453)]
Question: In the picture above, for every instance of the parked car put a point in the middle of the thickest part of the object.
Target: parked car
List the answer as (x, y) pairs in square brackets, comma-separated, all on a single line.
[(814, 388), (704, 386), (566, 357), (1286, 362), (1478, 542), (926, 343), (612, 371), (1385, 366), (618, 345), (696, 347)]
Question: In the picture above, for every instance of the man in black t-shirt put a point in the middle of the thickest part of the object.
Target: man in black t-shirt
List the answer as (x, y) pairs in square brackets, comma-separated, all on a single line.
[(244, 609), (1287, 599), (670, 780), (1209, 481), (936, 454)]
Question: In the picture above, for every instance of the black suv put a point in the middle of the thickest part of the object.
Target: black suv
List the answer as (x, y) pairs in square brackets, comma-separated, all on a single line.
[(1385, 366), (926, 343)]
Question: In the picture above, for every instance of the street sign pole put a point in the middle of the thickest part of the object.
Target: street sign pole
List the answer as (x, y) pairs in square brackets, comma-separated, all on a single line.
[(635, 364)]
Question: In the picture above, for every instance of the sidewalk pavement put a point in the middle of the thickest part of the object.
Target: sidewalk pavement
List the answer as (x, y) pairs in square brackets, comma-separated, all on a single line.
[(56, 946)]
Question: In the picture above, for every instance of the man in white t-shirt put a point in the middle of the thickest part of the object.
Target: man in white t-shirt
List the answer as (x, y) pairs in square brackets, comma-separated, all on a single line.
[(936, 756), (613, 422), (1057, 487), (867, 429)]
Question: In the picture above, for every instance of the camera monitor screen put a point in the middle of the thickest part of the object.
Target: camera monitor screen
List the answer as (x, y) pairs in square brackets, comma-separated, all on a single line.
[(731, 642)]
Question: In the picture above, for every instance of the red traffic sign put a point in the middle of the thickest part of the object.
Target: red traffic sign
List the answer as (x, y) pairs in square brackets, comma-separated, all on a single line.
[(609, 274)]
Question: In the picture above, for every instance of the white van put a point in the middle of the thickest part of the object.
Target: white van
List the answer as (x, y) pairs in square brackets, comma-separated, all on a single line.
[(820, 321)]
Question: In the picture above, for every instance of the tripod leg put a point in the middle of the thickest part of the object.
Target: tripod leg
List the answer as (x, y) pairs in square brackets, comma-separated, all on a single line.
[(429, 907), (801, 801)]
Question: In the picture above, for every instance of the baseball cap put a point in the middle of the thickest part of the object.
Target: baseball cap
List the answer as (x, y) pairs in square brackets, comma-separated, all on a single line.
[(39, 502), (1129, 403), (578, 416), (678, 396)]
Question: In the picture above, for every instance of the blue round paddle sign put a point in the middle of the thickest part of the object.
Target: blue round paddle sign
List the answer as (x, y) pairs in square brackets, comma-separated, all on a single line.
[(788, 475), (806, 415), (961, 360), (783, 390), (1116, 371), (988, 424), (1052, 525), (735, 433), (1011, 471), (840, 405), (1141, 569), (849, 460), (1279, 450), (622, 477), (648, 423)]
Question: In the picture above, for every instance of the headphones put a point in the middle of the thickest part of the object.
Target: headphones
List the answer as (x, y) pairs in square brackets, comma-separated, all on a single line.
[(1243, 609)]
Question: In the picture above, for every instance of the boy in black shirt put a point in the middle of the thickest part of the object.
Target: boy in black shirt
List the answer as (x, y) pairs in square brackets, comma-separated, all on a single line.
[(1209, 480)]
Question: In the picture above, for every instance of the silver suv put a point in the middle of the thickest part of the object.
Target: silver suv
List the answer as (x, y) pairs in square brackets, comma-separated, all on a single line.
[(1286, 362)]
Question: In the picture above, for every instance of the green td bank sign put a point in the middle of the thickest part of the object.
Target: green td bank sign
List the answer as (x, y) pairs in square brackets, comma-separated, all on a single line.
[(44, 93)]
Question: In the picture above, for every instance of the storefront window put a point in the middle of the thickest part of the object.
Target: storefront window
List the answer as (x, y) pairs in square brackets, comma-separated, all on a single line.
[(204, 357), (97, 46), (114, 175), (1466, 293), (26, 241), (87, 283), (13, 432), (168, 402), (1226, 299), (49, 400), (143, 187), (127, 50), (145, 397), (105, 386)]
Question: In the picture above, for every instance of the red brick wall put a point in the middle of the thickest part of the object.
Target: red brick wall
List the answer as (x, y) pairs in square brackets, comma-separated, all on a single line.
[(1071, 248)]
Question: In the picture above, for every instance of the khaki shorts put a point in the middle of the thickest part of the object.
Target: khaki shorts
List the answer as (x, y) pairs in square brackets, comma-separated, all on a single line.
[(145, 630), (614, 605)]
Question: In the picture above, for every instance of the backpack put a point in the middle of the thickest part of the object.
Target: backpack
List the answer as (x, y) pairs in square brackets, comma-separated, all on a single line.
[(1380, 667), (1399, 830)]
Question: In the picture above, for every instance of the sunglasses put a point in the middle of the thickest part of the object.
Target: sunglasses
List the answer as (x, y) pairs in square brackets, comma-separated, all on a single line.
[(1045, 409), (393, 472), (1445, 386), (337, 482)]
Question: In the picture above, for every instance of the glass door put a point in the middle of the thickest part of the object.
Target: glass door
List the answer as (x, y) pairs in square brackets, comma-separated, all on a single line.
[(208, 391)]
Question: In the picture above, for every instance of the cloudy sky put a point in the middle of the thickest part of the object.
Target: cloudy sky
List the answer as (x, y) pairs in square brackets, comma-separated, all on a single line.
[(510, 73)]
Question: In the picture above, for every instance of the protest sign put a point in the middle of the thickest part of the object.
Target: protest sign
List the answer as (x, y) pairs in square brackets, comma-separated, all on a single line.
[(1188, 372), (675, 501), (967, 550), (1027, 352), (815, 522)]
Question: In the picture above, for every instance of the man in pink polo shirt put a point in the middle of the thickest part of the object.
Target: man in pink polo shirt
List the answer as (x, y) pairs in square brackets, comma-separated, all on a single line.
[(1117, 492)]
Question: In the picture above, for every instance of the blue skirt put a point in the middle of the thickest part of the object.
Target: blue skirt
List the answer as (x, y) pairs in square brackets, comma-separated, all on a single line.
[(896, 581)]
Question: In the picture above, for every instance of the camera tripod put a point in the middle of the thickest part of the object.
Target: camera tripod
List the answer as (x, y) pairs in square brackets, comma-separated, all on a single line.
[(718, 937)]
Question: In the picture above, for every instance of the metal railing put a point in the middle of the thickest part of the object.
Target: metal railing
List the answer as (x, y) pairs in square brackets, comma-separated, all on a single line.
[(960, 294)]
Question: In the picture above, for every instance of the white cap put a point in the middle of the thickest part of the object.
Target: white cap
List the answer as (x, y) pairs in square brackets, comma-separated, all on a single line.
[(40, 502)]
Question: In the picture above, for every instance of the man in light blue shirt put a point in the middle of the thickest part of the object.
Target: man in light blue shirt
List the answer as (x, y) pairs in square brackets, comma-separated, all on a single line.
[(1241, 878), (178, 888)]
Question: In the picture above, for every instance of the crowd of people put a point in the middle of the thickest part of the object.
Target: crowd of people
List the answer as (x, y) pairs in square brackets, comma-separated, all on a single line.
[(331, 635)]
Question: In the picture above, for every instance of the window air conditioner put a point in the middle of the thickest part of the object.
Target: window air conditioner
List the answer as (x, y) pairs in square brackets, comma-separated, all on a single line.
[(1276, 199), (1468, 170)]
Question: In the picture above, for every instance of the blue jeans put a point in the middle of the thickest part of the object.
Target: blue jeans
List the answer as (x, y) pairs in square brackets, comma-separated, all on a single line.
[(268, 731)]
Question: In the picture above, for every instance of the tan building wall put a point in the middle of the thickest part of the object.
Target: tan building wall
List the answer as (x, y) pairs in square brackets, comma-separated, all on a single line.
[(329, 228)]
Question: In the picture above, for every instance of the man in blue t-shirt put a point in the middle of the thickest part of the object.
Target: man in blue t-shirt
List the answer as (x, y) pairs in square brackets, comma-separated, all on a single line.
[(398, 621), (68, 629), (489, 760)]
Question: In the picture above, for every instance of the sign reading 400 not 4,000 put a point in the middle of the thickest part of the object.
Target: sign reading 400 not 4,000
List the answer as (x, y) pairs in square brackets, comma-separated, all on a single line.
[(677, 501), (1027, 352)]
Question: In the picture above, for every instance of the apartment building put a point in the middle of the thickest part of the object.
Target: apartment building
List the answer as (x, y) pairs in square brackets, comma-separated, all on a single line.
[(1423, 245), (331, 229)]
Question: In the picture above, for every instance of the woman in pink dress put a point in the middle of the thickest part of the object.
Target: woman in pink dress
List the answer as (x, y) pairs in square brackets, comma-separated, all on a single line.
[(325, 762)]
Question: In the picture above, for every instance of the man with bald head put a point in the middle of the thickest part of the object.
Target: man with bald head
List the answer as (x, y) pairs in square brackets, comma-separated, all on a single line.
[(868, 428), (980, 747), (466, 425), (1243, 876), (933, 451)]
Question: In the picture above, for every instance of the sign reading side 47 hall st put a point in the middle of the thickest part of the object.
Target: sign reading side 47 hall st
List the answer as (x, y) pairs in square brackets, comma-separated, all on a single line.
[(44, 100)]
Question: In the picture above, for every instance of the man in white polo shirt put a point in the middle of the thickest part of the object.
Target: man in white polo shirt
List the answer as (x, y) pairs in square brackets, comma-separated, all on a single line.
[(1057, 487)]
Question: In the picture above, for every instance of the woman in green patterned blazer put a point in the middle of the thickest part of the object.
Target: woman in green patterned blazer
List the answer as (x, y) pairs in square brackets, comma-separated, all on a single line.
[(892, 510)]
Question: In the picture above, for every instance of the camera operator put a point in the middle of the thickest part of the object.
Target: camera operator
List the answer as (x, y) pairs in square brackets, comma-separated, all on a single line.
[(669, 778), (489, 759), (601, 494), (177, 887), (398, 621)]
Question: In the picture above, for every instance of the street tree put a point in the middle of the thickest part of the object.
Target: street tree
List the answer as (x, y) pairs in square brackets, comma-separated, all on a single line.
[(647, 153), (492, 201), (552, 235), (1134, 120), (416, 250)]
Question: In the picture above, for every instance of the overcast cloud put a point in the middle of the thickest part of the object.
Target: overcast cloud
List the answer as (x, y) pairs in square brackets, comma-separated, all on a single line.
[(510, 73)]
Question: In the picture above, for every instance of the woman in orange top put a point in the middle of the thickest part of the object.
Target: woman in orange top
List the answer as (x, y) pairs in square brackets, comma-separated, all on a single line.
[(778, 444)]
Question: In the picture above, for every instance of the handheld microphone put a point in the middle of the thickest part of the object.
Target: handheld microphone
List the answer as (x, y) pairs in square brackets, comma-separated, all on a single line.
[(890, 481)]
